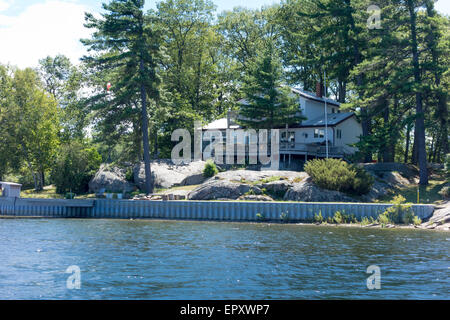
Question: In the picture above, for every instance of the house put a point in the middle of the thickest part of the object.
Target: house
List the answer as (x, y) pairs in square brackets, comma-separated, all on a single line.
[(308, 139)]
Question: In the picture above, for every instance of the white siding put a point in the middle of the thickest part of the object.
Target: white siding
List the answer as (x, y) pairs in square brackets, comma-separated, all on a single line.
[(351, 131), (316, 109), (300, 138)]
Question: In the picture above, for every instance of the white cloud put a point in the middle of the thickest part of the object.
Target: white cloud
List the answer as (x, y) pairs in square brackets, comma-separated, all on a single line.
[(4, 4), (49, 28)]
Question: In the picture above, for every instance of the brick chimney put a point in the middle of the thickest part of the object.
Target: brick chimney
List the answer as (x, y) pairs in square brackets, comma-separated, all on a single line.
[(319, 89)]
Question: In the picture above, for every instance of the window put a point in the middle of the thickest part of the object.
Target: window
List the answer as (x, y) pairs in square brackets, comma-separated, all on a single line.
[(319, 133), (333, 111), (292, 136), (287, 136), (338, 133)]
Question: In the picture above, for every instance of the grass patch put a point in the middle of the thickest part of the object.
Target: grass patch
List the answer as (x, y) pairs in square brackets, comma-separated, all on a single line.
[(182, 188), (428, 194), (49, 192)]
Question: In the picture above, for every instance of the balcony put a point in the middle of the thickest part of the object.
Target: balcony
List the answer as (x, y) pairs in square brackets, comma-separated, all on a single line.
[(310, 149)]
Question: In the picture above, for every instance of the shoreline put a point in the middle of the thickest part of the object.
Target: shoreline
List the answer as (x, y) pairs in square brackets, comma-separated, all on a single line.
[(291, 223), (433, 217)]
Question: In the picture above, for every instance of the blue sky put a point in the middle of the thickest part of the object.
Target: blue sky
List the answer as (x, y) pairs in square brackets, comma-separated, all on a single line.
[(33, 29)]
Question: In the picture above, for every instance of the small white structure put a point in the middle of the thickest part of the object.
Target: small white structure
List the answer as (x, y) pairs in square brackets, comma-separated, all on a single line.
[(10, 189)]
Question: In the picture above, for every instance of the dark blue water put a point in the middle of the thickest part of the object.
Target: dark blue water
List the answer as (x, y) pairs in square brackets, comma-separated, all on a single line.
[(122, 259)]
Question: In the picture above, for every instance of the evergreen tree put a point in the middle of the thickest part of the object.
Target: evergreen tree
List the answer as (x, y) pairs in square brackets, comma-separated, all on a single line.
[(267, 103), (127, 46)]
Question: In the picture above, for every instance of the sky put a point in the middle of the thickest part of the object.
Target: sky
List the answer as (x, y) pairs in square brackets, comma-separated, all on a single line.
[(33, 29)]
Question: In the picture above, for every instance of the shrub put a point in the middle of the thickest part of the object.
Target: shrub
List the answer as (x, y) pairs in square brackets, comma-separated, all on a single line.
[(383, 219), (70, 195), (210, 169), (75, 165), (416, 221), (338, 218), (260, 217), (334, 174), (318, 217), (399, 213), (365, 221), (129, 175), (445, 192), (341, 217)]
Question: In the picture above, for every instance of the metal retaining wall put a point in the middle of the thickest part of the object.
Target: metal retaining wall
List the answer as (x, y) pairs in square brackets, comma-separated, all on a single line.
[(190, 210)]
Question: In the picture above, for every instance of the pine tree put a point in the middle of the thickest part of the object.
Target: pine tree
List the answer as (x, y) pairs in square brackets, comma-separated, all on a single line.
[(267, 103), (127, 46)]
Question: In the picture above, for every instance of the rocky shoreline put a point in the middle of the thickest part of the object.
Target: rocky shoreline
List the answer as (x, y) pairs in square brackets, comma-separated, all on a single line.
[(245, 184), (252, 185)]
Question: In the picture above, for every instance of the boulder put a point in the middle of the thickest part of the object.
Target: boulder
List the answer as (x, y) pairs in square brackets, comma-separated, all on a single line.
[(166, 174), (393, 171), (379, 189), (215, 189), (440, 219), (110, 178), (277, 187), (256, 176), (254, 197), (307, 191)]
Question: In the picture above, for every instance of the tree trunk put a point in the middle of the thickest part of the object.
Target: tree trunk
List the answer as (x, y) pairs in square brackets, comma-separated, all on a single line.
[(389, 147), (43, 178), (145, 141), (420, 124), (342, 91), (408, 138), (414, 155)]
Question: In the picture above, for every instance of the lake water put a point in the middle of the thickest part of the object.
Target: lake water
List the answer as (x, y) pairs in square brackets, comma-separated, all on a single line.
[(123, 259)]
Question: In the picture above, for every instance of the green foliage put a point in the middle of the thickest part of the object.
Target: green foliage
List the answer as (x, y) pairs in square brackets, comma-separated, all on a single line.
[(75, 165), (384, 219), (64, 81), (399, 213), (260, 217), (318, 217), (342, 217), (334, 174), (267, 103), (416, 221), (129, 175), (210, 169), (70, 195), (29, 124), (445, 192), (366, 221), (125, 50)]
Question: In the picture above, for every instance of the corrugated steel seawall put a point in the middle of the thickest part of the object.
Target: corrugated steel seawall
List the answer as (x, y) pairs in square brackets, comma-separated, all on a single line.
[(190, 210)]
